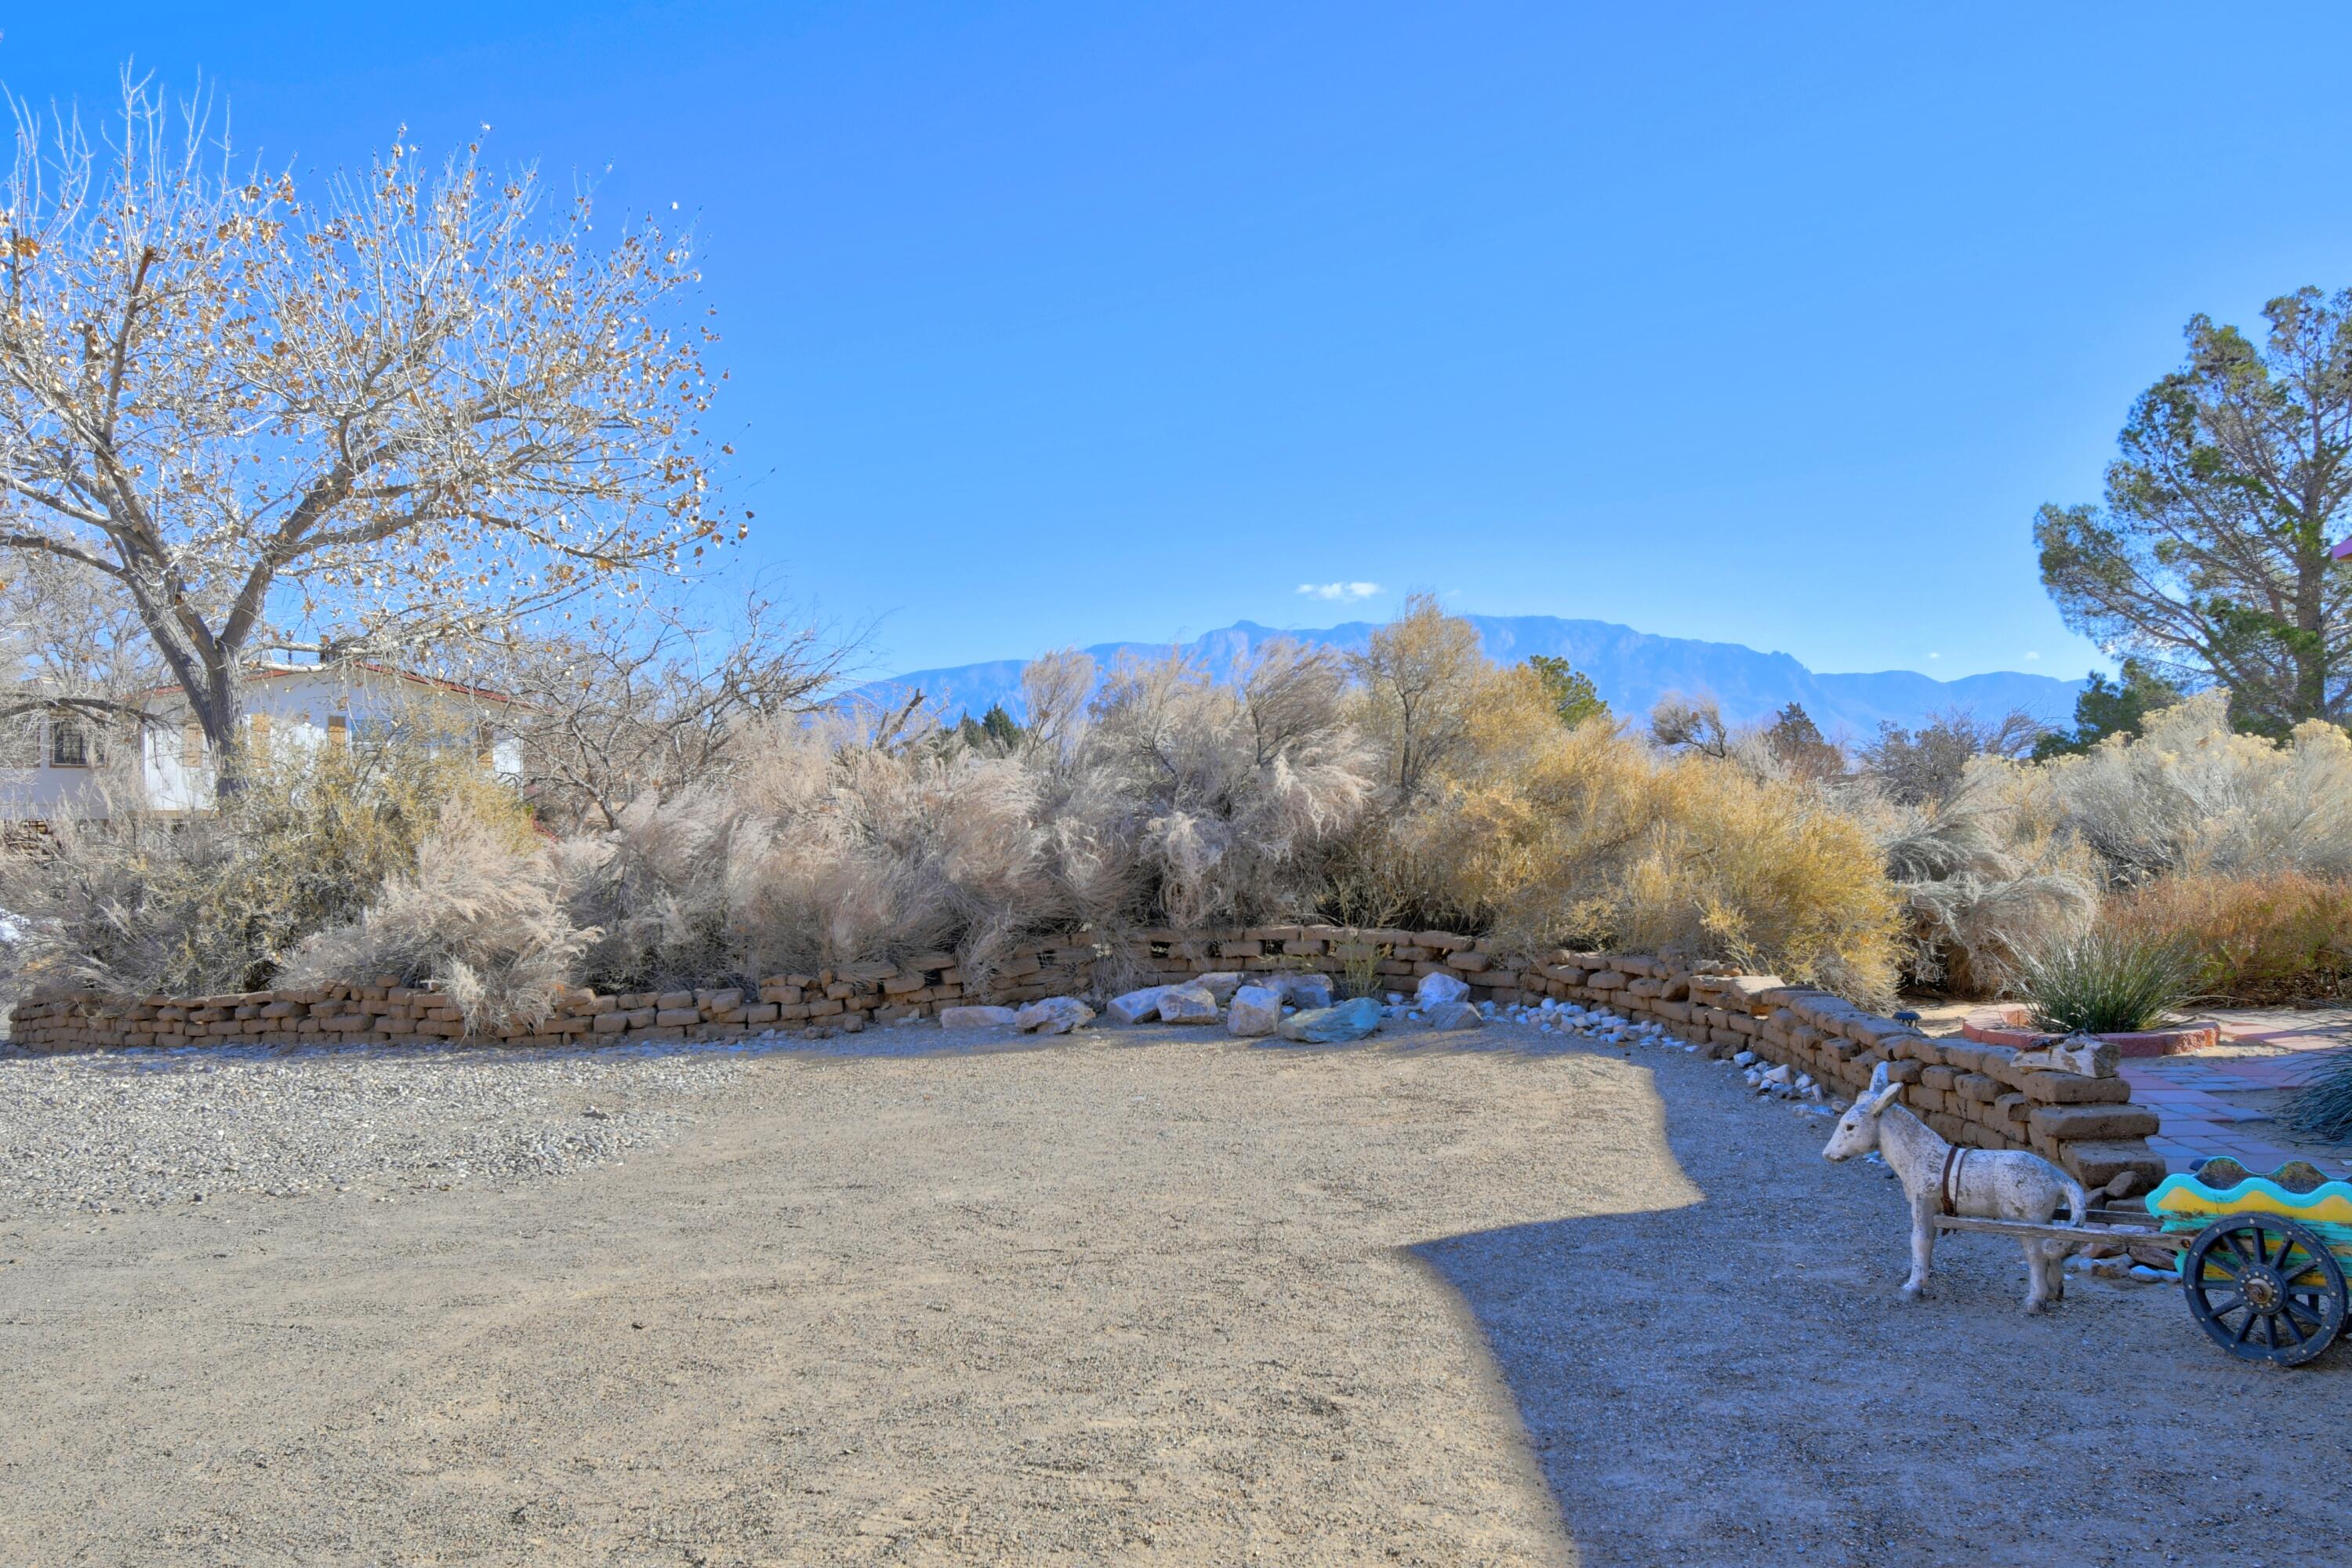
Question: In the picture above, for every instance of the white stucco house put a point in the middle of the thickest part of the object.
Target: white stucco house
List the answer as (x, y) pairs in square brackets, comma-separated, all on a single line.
[(59, 767)]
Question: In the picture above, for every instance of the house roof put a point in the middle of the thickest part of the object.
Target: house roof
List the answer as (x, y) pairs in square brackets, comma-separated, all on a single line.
[(274, 669)]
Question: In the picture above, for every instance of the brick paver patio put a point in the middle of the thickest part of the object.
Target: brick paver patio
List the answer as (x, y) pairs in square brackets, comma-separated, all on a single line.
[(2261, 1049)]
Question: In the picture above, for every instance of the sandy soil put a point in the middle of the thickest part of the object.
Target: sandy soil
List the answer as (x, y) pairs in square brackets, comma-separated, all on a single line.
[(1190, 1302)]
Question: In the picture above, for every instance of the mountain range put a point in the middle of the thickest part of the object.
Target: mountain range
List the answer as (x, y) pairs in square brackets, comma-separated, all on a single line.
[(1632, 670)]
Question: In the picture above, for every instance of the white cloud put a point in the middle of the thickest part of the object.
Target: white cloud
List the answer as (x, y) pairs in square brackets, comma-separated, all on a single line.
[(2034, 656), (1935, 656), (1338, 590)]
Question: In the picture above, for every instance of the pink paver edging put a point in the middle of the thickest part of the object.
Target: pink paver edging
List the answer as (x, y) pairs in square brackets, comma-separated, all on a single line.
[(2007, 1024)]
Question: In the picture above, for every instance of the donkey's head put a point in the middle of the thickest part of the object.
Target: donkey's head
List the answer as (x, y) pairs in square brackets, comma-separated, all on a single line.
[(1857, 1130)]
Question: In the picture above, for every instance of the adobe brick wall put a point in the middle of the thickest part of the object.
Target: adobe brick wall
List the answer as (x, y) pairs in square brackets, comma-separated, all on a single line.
[(1970, 1093)]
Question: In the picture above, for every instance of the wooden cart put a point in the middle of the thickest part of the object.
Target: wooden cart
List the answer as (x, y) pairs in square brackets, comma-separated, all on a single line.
[(2262, 1259)]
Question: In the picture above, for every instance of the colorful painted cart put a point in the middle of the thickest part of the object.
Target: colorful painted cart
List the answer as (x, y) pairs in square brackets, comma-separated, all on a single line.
[(2265, 1259), (2262, 1259)]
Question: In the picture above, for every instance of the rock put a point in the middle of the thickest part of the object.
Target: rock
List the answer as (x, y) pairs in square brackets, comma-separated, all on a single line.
[(975, 1017), (1136, 1005), (1256, 1010), (1350, 1020), (1306, 990), (1440, 987), (1743, 1058), (1455, 1015), (1220, 985), (2086, 1055), (1188, 1004), (1054, 1016)]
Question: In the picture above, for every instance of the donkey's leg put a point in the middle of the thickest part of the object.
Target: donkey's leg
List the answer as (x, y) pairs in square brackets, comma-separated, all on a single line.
[(1922, 1251), (2037, 1276)]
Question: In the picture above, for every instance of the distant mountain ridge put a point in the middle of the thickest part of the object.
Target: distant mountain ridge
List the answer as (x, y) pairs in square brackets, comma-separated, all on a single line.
[(1633, 669)]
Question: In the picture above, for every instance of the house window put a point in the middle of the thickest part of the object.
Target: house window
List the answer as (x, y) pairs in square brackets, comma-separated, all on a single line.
[(339, 730), (192, 744), (69, 745), (257, 730)]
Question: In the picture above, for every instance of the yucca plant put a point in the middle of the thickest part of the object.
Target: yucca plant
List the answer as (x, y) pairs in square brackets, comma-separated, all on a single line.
[(2322, 1110), (2105, 982)]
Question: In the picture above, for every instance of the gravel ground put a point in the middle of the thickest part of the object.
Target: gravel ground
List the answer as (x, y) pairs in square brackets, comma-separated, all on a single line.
[(1497, 1297), (105, 1132)]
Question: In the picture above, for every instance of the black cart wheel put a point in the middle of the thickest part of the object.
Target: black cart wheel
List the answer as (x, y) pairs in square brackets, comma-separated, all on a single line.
[(2264, 1289)]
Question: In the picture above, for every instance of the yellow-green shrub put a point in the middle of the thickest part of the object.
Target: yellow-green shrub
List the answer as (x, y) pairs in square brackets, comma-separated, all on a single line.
[(1584, 836)]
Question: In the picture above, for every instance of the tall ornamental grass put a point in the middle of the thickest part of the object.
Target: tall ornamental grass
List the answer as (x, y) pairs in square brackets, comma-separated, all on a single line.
[(2105, 982)]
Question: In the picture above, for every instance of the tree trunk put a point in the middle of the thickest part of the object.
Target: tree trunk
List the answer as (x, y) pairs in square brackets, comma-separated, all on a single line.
[(2311, 643)]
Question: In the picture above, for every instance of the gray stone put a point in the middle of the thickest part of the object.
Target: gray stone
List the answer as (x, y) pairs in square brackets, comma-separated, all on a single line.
[(1304, 990), (1440, 987), (1136, 1005), (1256, 1010), (1220, 984), (1350, 1020), (1054, 1016), (1455, 1015), (975, 1017), (1187, 1005)]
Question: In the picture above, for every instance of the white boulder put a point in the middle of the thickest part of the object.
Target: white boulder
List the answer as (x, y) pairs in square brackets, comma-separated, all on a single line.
[(1188, 1004), (1220, 984), (1136, 1005), (1256, 1010), (1440, 987), (1054, 1016)]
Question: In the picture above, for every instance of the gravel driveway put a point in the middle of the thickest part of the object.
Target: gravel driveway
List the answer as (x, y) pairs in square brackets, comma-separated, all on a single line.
[(1478, 1300)]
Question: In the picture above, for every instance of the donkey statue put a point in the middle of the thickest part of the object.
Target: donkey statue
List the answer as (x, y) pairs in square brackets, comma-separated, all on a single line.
[(1943, 1178)]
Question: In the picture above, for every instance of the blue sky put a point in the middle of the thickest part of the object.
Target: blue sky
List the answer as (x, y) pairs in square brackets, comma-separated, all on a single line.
[(1054, 324)]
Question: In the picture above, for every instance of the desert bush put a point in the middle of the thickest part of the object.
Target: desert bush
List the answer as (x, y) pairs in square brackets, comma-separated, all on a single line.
[(2191, 796), (1983, 873), (220, 900), (1586, 836), (2106, 980), (1170, 798), (482, 915), (2286, 936), (1422, 677)]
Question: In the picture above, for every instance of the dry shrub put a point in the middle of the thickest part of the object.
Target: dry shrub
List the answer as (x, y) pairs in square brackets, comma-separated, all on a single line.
[(1584, 836), (482, 916), (1985, 876), (2190, 796), (2282, 937), (1173, 798), (219, 901)]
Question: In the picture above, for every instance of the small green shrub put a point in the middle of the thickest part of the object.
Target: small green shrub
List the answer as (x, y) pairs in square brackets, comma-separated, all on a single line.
[(1360, 965), (2105, 982)]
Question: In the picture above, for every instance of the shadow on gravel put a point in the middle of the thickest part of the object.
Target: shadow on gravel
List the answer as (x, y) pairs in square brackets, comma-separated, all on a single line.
[(1733, 1380)]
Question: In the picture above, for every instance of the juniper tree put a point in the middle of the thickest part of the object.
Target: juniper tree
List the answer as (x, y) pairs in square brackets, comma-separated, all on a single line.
[(2210, 559)]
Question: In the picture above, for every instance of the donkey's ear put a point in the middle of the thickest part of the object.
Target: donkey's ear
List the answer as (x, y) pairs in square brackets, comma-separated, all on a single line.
[(1877, 1077), (1881, 1095)]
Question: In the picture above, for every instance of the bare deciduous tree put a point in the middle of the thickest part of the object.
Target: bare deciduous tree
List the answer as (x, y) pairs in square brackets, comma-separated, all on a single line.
[(399, 411), (639, 709), (70, 648)]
